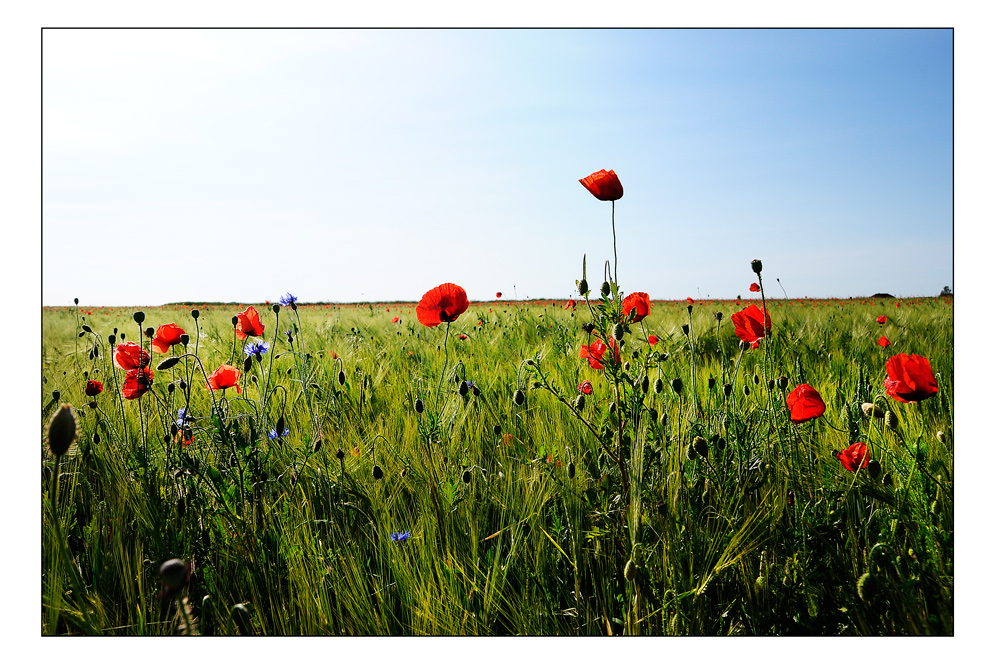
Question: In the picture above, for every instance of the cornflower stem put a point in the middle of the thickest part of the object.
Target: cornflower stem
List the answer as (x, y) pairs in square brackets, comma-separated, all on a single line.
[(445, 364), (269, 372)]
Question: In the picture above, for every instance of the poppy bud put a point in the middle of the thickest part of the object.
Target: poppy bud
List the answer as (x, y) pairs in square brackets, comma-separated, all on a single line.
[(81, 335), (771, 384), (664, 356), (720, 444), (195, 313), (887, 479), (700, 446), (246, 364), (75, 300), (150, 332), (579, 402), (873, 468), (86, 328), (691, 453), (519, 397), (743, 346), (890, 420), (756, 379), (685, 329), (476, 391), (122, 336), (677, 384), (96, 438), (419, 406), (757, 265), (588, 327), (341, 377), (280, 426), (464, 389), (377, 472), (139, 317), (339, 454), (618, 331), (276, 308), (571, 470), (582, 287), (496, 429), (782, 382), (630, 571), (690, 308), (466, 477), (111, 339), (55, 395), (316, 447), (645, 384), (184, 339), (867, 587), (183, 384), (940, 437), (606, 289), (718, 316), (871, 410), (652, 413), (746, 390), (626, 366), (727, 389), (62, 430), (658, 385)]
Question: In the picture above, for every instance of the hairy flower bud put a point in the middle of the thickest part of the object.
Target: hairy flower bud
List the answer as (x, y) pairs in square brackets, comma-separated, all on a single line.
[(678, 385), (377, 472), (62, 430), (700, 446), (618, 331), (419, 406), (519, 397), (606, 289)]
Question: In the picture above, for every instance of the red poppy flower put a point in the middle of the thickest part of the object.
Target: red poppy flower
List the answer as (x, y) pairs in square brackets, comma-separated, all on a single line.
[(882, 319), (442, 304), (166, 336), (248, 324), (463, 337), (571, 304), (224, 377), (653, 339), (93, 388), (883, 342), (396, 319), (910, 378), (595, 353), (604, 185), (754, 287), (137, 382), (805, 403), (752, 324), (854, 457), (690, 300), (585, 387), (638, 301), (498, 294), (130, 356)]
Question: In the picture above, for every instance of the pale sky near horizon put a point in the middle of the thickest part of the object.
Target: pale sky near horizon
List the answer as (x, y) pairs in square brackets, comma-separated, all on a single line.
[(345, 165)]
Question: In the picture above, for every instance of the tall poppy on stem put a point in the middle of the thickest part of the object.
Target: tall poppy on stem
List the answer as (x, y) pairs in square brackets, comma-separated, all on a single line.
[(638, 301), (166, 336), (248, 324), (605, 186), (130, 356), (595, 352), (224, 377), (805, 403), (442, 304), (910, 378), (751, 324)]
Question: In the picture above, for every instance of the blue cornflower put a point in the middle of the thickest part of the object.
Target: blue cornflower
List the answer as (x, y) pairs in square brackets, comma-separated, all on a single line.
[(288, 300), (181, 421), (273, 435), (256, 349), (471, 384), (400, 537)]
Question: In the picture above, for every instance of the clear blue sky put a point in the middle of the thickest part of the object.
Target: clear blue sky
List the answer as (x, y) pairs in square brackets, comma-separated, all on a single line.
[(373, 165)]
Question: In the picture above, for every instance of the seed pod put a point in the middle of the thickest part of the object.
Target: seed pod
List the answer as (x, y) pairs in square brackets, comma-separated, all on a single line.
[(150, 332), (234, 321), (62, 430), (139, 317), (519, 397), (757, 265), (419, 406), (195, 313), (377, 472), (700, 446), (111, 339), (571, 470), (466, 477)]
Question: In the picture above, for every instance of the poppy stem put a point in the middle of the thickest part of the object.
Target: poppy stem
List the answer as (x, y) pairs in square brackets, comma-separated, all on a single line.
[(445, 346), (614, 242)]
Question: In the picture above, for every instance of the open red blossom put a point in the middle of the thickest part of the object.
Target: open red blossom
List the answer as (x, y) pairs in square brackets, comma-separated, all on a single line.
[(442, 304), (805, 403), (690, 300), (248, 323), (166, 336), (605, 185), (130, 356), (585, 387), (224, 377), (883, 342), (137, 382), (396, 319), (854, 457), (463, 337), (752, 324), (498, 294), (882, 319), (754, 287), (910, 378), (638, 301), (571, 304), (93, 388), (595, 353), (653, 339)]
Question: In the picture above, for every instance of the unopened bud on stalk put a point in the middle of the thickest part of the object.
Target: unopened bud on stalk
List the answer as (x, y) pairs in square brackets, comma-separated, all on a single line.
[(771, 384), (871, 410), (691, 453), (618, 331), (111, 339), (685, 329), (377, 472), (276, 308), (746, 390), (700, 446), (150, 332), (588, 327), (677, 384), (339, 454), (184, 339), (341, 377), (571, 470), (690, 308), (727, 389), (582, 287), (316, 447), (496, 429), (195, 313), (645, 384), (757, 265), (86, 328), (630, 571), (940, 437), (606, 289), (139, 317), (874, 468), (55, 395), (246, 364), (743, 346), (519, 397), (579, 402), (234, 321), (280, 426), (466, 477), (890, 420), (867, 587), (62, 430), (718, 316), (782, 382), (464, 388), (658, 386), (419, 406), (711, 383)]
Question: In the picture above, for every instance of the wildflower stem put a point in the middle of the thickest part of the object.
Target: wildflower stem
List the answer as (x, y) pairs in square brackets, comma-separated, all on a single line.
[(614, 242), (445, 347)]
